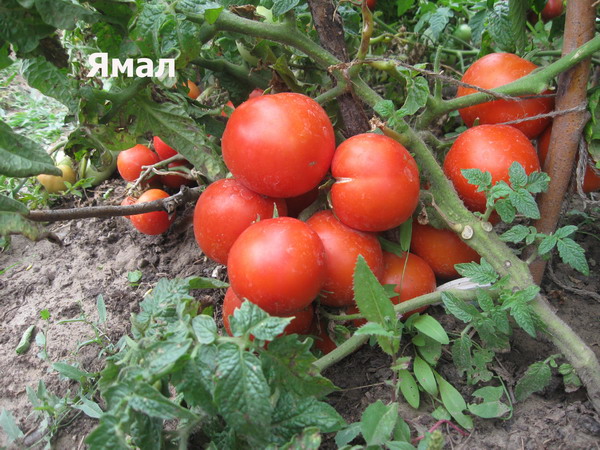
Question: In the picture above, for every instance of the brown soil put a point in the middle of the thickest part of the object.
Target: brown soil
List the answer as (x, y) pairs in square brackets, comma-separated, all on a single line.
[(96, 257)]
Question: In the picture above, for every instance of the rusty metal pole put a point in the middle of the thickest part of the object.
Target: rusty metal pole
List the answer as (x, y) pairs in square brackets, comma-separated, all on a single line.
[(566, 129)]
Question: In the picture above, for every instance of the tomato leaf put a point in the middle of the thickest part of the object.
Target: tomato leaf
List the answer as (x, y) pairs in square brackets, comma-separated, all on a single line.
[(573, 254), (378, 421), (482, 273), (515, 234), (536, 378), (250, 319), (108, 434), (10, 205), (461, 354), (418, 93), (408, 387), (478, 178), (280, 7), (506, 210), (64, 13), (52, 81), (205, 329), (370, 296), (149, 401), (195, 379), (459, 308), (537, 182), (524, 203)]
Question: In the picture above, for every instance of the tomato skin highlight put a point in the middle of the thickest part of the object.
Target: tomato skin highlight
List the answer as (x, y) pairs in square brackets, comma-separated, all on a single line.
[(490, 148), (155, 222), (591, 181), (280, 145), (278, 264), (130, 162), (163, 150), (224, 210), (552, 10), (377, 183), (495, 70), (343, 245), (127, 201), (441, 249)]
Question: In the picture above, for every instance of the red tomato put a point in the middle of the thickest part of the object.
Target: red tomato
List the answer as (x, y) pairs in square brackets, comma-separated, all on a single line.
[(498, 69), (343, 245), (552, 10), (295, 205), (490, 148), (163, 150), (126, 202), (256, 93), (130, 162), (278, 264), (441, 249), (279, 145), (224, 210), (301, 323), (176, 181), (371, 4), (152, 223), (194, 91), (377, 183), (323, 341), (591, 181)]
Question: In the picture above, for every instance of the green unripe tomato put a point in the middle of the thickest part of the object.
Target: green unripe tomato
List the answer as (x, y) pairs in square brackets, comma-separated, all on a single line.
[(100, 169), (463, 32)]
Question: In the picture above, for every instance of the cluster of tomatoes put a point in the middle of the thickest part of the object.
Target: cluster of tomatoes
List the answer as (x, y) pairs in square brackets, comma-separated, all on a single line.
[(130, 164)]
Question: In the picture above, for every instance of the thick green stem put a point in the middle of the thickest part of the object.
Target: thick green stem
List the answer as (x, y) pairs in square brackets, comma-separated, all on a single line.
[(240, 72)]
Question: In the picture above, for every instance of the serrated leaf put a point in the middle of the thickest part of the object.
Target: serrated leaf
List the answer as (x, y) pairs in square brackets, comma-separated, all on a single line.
[(378, 421), (461, 354), (484, 300), (385, 108), (424, 375), (195, 379), (565, 231), (517, 16), (481, 273), (10, 205), (408, 387), (205, 329), (280, 7), (537, 182), (14, 223), (523, 315), (343, 437), (573, 254), (524, 203), (51, 81), (497, 191), (453, 401), (505, 210), (64, 14), (148, 400), (162, 356), (547, 244), (477, 178), (308, 439), (459, 308), (515, 234), (21, 157), (108, 434), (535, 379), (432, 328), (373, 329), (21, 27), (517, 174), (418, 93), (438, 21), (500, 28), (250, 319)]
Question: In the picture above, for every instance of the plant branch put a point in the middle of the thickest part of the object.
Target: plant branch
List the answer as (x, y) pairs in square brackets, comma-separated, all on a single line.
[(121, 98)]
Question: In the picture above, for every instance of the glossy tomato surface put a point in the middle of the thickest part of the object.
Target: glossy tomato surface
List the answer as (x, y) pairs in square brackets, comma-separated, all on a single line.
[(343, 245), (130, 161), (163, 150), (377, 183), (176, 181), (152, 223), (441, 249), (278, 264), (279, 145), (224, 210), (498, 69), (490, 148), (127, 201), (552, 10), (591, 181)]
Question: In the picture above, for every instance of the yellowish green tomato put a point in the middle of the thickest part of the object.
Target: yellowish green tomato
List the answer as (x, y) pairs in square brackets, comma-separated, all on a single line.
[(55, 184)]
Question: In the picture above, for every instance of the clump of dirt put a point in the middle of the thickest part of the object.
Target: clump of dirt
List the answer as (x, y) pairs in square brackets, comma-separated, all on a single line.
[(97, 255)]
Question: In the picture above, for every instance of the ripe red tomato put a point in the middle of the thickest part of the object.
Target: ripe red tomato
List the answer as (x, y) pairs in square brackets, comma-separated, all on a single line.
[(130, 161), (377, 183), (552, 10), (126, 202), (152, 223), (343, 245), (224, 210), (371, 4), (279, 145), (295, 205), (441, 249), (163, 150), (256, 93), (301, 324), (176, 181), (498, 69), (490, 148), (278, 264), (591, 181)]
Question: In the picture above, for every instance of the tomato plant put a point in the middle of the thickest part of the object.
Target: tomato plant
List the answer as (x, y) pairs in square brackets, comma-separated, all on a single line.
[(342, 247), (376, 183), (441, 249), (278, 264), (591, 181), (224, 210), (155, 222), (490, 148), (130, 162), (279, 145), (55, 184), (498, 69)]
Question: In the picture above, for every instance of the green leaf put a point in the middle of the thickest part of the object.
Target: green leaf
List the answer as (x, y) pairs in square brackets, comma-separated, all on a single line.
[(535, 379), (573, 254), (498, 190), (524, 316), (424, 376), (195, 379), (489, 410), (51, 81), (505, 210), (432, 328), (430, 349), (459, 308), (565, 231), (515, 234), (135, 276), (21, 157), (477, 178), (517, 16), (205, 329), (64, 14), (484, 300), (480, 273), (403, 5), (21, 27), (408, 387), (517, 174), (378, 421), (489, 393), (9, 426), (149, 401), (392, 247), (162, 356), (108, 434), (454, 402), (500, 27), (14, 223), (461, 354), (547, 244), (280, 7), (101, 308), (10, 205), (373, 329), (250, 319), (537, 182), (438, 21), (308, 439), (90, 408), (418, 93), (524, 203), (385, 108), (343, 437), (206, 283), (242, 393), (70, 371)]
